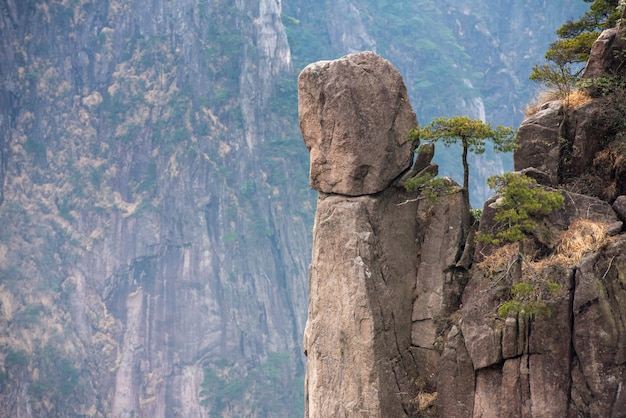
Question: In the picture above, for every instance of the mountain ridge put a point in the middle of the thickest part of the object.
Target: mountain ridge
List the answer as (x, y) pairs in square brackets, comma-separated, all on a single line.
[(154, 201)]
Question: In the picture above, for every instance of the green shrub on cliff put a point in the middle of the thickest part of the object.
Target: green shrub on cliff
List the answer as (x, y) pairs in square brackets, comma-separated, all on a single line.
[(521, 203), (473, 135), (565, 57)]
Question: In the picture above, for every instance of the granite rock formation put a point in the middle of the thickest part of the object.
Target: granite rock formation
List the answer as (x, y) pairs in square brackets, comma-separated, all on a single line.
[(355, 116), (361, 284), (403, 313), (373, 332), (579, 145), (571, 145)]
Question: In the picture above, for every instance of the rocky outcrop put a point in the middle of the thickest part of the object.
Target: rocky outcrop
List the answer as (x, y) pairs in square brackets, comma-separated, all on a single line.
[(154, 206), (547, 233), (606, 56), (575, 147), (602, 55), (388, 253), (358, 333), (539, 141), (387, 268), (355, 115), (362, 283), (599, 334), (541, 366), (441, 276), (550, 364), (578, 146), (564, 142), (529, 366)]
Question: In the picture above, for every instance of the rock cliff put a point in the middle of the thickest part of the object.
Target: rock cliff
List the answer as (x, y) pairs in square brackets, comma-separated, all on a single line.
[(154, 203), (371, 325), (138, 277), (403, 312), (360, 282)]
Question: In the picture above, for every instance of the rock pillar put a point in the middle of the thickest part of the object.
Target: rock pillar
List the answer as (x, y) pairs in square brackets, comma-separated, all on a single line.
[(355, 116)]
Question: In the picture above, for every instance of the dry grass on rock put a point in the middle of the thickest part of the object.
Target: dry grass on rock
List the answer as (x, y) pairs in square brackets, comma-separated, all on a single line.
[(574, 100), (499, 260), (583, 236), (427, 404)]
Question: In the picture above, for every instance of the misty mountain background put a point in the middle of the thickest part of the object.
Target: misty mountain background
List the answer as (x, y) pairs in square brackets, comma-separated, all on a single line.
[(155, 213)]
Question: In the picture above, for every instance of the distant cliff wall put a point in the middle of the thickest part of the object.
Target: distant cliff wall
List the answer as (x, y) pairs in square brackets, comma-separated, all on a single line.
[(145, 265)]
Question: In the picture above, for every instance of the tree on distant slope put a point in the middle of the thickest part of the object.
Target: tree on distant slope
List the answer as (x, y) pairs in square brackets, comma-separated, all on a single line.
[(565, 56), (471, 134)]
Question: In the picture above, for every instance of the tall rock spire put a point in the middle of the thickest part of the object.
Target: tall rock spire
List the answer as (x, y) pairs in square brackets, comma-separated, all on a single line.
[(387, 267), (354, 115)]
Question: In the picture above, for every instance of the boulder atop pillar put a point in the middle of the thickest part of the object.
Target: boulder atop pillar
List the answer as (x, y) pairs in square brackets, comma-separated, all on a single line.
[(355, 116)]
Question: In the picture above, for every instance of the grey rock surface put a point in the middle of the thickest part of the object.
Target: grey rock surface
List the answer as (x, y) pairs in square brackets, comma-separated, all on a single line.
[(538, 138), (357, 336), (355, 116)]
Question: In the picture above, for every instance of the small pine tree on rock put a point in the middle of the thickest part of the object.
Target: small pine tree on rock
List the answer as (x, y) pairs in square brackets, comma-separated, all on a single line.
[(521, 203), (473, 135)]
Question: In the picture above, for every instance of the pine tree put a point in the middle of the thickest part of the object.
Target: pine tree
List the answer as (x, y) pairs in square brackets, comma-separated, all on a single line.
[(520, 204), (473, 135), (565, 57)]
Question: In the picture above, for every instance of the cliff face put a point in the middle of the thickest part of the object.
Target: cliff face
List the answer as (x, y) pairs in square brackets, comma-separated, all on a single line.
[(404, 315), (139, 278), (154, 205)]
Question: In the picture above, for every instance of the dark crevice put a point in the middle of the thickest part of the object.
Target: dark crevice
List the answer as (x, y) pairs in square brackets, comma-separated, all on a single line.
[(586, 306), (398, 362), (573, 355)]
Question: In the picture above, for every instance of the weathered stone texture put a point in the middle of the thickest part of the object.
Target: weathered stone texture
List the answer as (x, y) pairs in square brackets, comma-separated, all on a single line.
[(439, 281), (442, 240), (570, 146), (455, 380), (539, 144), (361, 285), (549, 349), (599, 338), (588, 128), (355, 116), (619, 206), (571, 363), (488, 393), (606, 54)]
